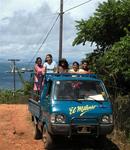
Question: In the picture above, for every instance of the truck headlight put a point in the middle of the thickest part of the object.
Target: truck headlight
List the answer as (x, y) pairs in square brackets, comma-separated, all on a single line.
[(57, 118), (60, 118), (107, 119)]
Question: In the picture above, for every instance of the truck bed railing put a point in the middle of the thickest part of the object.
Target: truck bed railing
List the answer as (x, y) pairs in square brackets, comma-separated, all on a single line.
[(51, 75)]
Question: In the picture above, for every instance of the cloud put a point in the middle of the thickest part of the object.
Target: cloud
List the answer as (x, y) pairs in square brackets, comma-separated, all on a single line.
[(24, 26)]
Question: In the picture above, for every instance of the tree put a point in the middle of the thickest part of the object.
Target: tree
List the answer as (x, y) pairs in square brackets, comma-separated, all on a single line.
[(115, 64), (109, 29), (106, 26)]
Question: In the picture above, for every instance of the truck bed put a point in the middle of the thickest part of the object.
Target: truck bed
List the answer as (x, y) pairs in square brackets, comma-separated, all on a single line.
[(34, 108)]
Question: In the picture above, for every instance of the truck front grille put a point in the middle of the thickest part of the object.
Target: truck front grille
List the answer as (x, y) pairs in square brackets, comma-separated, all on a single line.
[(84, 121)]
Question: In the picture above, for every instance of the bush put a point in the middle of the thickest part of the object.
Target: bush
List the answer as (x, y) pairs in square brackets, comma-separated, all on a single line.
[(7, 97), (122, 114)]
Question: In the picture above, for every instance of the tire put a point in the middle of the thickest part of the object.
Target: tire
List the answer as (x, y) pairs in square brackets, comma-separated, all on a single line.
[(38, 133), (47, 139)]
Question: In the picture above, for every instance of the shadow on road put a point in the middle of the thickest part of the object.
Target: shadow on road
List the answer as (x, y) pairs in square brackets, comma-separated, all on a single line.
[(87, 144)]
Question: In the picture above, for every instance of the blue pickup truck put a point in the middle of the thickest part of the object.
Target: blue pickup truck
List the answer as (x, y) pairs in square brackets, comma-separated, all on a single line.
[(71, 105)]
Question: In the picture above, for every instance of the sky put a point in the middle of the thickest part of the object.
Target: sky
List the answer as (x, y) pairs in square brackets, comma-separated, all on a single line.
[(25, 23)]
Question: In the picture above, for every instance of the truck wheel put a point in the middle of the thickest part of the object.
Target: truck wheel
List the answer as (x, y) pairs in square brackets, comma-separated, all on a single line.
[(47, 139), (38, 133)]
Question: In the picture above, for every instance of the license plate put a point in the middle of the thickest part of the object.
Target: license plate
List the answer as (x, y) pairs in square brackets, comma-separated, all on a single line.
[(84, 129)]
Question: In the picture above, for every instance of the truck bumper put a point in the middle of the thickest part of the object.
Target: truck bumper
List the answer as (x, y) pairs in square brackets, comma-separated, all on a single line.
[(61, 129), (68, 130)]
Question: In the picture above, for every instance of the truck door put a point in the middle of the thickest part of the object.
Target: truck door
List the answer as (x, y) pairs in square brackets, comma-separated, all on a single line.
[(46, 96)]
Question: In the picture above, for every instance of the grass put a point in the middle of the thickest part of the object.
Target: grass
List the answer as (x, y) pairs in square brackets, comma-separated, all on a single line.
[(7, 97)]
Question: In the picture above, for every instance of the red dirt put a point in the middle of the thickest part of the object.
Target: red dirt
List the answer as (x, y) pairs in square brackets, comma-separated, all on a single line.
[(16, 129)]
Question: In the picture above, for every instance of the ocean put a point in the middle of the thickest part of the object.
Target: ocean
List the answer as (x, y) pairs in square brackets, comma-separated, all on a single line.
[(6, 78)]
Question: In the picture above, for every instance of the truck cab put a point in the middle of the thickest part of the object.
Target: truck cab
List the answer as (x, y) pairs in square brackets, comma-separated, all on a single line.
[(72, 105)]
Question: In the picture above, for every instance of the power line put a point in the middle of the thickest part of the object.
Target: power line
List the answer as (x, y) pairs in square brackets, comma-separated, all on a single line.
[(56, 12), (53, 26), (48, 33), (77, 6), (39, 41)]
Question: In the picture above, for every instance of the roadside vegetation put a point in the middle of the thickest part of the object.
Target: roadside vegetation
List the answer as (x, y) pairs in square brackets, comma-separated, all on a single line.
[(109, 30), (8, 97), (19, 97)]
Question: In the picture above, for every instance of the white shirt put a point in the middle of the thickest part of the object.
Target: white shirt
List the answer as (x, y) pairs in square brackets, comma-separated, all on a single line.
[(50, 67)]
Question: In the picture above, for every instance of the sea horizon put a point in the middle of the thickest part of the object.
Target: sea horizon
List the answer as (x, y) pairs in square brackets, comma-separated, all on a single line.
[(6, 77)]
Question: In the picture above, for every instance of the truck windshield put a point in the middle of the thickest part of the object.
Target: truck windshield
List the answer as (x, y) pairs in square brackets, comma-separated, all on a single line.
[(79, 90)]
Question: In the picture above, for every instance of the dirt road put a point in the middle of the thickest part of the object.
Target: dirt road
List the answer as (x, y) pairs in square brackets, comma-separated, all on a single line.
[(17, 131)]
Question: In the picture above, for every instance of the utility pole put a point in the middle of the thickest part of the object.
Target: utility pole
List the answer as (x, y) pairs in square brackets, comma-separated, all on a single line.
[(14, 68), (61, 29)]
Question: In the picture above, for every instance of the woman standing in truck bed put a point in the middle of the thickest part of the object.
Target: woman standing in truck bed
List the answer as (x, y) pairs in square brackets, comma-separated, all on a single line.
[(39, 71), (49, 64)]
